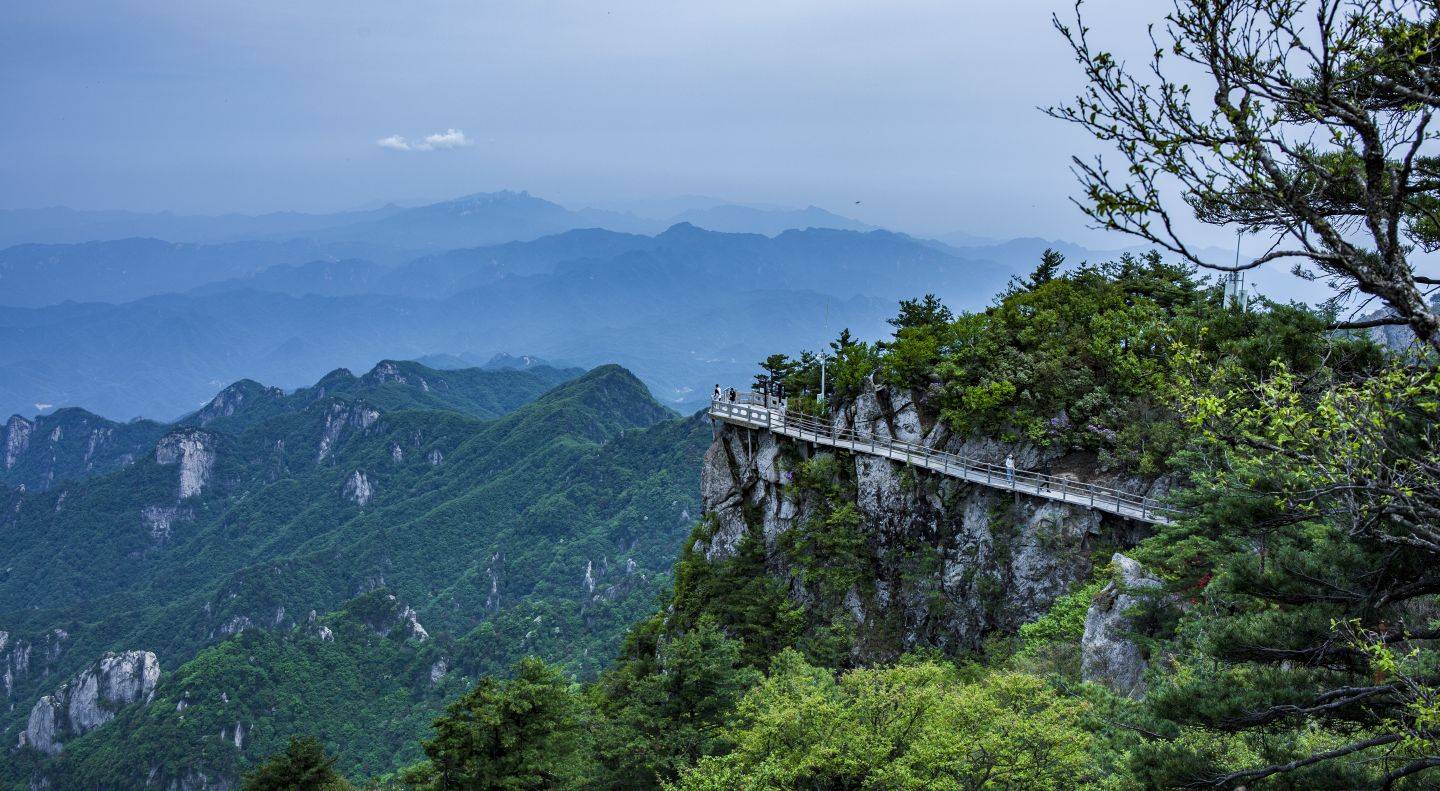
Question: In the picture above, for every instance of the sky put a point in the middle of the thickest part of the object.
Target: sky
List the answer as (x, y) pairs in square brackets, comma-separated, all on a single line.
[(911, 114)]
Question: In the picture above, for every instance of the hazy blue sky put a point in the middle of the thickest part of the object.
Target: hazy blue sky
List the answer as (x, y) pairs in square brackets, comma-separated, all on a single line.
[(923, 111)]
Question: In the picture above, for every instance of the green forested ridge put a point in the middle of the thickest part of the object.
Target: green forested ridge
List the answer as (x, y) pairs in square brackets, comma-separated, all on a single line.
[(69, 444), (391, 385), (485, 530)]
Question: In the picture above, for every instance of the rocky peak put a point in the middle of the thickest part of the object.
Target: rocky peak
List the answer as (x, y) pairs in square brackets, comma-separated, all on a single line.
[(233, 399), (194, 451), (90, 699), (17, 439), (391, 371)]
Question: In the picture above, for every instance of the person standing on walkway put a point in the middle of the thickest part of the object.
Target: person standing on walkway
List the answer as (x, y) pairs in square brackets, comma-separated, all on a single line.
[(1010, 467), (716, 397)]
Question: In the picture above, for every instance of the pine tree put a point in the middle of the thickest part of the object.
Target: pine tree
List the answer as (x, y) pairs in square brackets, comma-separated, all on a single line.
[(523, 733), (302, 766)]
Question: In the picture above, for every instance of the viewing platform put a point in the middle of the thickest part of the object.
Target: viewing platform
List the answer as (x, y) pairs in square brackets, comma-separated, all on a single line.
[(753, 410)]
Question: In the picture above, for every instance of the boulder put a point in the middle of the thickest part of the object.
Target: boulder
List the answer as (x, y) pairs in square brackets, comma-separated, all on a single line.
[(1109, 654)]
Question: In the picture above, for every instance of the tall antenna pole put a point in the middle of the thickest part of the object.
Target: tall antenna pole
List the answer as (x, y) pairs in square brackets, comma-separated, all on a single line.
[(1234, 295), (822, 350)]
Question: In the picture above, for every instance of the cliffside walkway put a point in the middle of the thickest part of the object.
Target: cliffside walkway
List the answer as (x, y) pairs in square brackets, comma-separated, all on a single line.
[(750, 410)]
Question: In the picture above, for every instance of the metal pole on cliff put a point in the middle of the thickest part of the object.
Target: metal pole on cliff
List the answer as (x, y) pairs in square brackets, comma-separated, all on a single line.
[(822, 352), (822, 378)]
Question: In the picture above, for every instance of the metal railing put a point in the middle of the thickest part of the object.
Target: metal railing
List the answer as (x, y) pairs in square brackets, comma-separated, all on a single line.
[(755, 410)]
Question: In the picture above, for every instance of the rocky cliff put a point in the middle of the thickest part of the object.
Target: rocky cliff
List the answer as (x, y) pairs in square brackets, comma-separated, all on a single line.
[(69, 444), (899, 557), (90, 699), (22, 659), (194, 451)]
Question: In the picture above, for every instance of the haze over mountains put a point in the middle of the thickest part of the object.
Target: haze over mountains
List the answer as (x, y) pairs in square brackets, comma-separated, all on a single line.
[(147, 314)]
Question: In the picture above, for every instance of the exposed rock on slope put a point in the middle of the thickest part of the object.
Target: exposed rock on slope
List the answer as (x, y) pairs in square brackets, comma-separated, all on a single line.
[(194, 451), (21, 658), (69, 444), (943, 563), (243, 394), (17, 439), (90, 699), (1109, 654), (358, 489), (341, 418)]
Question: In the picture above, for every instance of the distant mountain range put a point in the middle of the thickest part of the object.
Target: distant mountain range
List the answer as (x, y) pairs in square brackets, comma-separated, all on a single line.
[(685, 292), (684, 309), (469, 221)]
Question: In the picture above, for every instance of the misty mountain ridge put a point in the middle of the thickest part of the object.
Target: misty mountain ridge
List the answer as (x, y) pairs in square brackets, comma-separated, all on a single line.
[(683, 309), (467, 221)]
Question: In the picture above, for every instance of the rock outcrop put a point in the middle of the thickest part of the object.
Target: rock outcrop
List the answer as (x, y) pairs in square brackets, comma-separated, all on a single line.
[(194, 451), (17, 439), (159, 520), (235, 399), (357, 489), (21, 659), (946, 562), (90, 699), (340, 419), (393, 615), (1109, 654)]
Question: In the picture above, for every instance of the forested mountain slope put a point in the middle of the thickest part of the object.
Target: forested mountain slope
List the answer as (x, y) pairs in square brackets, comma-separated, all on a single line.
[(373, 556)]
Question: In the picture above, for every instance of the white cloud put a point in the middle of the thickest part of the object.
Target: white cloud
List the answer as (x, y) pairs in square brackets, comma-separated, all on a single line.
[(394, 142), (450, 138)]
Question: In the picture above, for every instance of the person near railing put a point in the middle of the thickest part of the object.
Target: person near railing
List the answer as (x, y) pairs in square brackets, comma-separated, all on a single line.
[(1009, 468), (716, 396)]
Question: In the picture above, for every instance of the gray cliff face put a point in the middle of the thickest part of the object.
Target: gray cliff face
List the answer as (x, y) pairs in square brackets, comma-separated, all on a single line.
[(194, 451), (1109, 654), (17, 439), (22, 659), (341, 419), (90, 699), (387, 371), (358, 489), (947, 561)]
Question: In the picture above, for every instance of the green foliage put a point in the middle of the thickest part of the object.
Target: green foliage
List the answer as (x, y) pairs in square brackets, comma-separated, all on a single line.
[(831, 551), (523, 733), (666, 711), (482, 529), (303, 766), (1307, 557), (917, 726), (739, 595), (1064, 622)]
